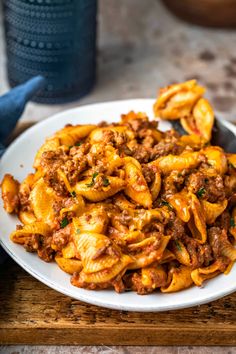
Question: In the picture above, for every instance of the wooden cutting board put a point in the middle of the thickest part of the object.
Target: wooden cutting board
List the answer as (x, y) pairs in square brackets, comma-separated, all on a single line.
[(32, 313)]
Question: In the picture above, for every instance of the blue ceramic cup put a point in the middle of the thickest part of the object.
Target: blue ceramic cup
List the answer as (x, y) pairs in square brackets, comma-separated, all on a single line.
[(53, 38)]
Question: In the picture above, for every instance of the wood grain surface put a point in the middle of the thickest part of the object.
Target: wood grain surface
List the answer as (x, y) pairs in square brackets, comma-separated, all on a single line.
[(32, 313)]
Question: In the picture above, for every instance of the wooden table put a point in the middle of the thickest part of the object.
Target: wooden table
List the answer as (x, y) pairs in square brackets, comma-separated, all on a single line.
[(32, 313)]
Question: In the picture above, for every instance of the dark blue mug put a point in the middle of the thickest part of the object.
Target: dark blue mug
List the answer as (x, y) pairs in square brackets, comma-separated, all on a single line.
[(53, 38)]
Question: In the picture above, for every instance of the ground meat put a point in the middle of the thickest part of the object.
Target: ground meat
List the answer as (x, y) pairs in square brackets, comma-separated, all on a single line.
[(99, 181), (125, 218), (73, 168), (52, 161), (115, 138), (79, 151), (166, 146), (52, 180), (216, 238), (117, 283), (32, 243), (175, 227), (72, 165), (141, 123), (148, 174), (139, 152), (147, 137), (57, 206), (24, 200), (210, 188), (133, 281), (41, 245), (103, 124), (201, 255), (223, 221), (61, 237), (45, 252), (173, 183), (230, 185)]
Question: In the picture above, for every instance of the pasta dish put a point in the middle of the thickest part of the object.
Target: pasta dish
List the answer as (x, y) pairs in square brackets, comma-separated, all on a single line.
[(129, 207)]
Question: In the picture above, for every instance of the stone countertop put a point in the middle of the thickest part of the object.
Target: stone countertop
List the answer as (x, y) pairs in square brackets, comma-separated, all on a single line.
[(141, 47)]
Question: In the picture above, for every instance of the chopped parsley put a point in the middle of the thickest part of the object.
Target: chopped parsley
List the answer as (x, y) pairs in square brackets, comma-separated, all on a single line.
[(201, 192), (93, 180), (78, 231), (64, 222), (73, 194), (106, 182), (232, 223), (178, 245), (165, 203), (76, 144)]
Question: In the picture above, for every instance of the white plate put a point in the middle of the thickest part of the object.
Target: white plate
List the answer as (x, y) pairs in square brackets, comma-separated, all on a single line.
[(22, 152)]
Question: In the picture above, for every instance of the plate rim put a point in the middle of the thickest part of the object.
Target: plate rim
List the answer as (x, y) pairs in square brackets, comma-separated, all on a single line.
[(86, 298)]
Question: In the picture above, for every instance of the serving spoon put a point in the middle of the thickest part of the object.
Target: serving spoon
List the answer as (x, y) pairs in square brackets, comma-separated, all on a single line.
[(221, 135)]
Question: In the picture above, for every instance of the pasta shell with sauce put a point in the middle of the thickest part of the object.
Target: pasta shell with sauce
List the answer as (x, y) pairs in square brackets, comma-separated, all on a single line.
[(194, 141), (69, 251), (92, 249), (136, 185), (199, 275), (197, 222), (180, 203), (85, 189), (51, 144), (26, 217), (201, 121), (95, 219), (153, 276), (186, 160), (180, 252), (213, 210), (69, 135), (176, 101), (156, 186), (109, 274), (216, 158), (178, 279), (144, 259), (19, 236), (10, 190), (42, 198), (69, 266)]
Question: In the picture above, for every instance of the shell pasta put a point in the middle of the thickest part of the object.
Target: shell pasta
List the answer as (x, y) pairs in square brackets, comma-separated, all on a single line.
[(125, 206)]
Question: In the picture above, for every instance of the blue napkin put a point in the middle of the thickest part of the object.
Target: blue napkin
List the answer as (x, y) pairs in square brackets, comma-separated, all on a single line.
[(12, 105)]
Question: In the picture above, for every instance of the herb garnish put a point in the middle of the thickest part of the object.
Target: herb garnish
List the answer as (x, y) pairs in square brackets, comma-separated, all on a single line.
[(178, 245), (165, 203), (78, 144), (201, 192), (106, 182), (64, 223), (232, 223), (93, 180), (78, 231), (73, 194)]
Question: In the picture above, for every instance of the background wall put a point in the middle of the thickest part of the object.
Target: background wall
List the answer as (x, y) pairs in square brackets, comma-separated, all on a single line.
[(142, 47)]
